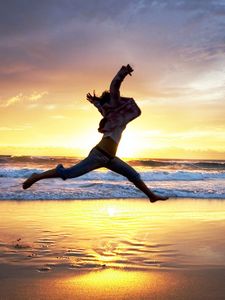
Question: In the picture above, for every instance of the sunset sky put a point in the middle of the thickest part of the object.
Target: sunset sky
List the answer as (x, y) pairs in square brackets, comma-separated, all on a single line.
[(53, 53)]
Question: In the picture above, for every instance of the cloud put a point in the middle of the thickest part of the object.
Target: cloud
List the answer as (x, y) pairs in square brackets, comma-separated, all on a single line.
[(36, 96), (23, 98), (12, 100), (50, 106), (57, 117), (16, 128), (45, 15), (164, 39)]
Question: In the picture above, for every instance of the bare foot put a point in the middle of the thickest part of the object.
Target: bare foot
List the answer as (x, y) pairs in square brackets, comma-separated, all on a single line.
[(158, 198), (31, 180)]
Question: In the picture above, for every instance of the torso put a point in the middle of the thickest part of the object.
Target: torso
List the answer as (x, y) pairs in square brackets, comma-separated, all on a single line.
[(115, 134), (108, 145), (112, 131)]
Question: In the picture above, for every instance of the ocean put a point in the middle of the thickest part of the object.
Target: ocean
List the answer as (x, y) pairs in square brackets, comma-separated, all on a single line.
[(175, 178)]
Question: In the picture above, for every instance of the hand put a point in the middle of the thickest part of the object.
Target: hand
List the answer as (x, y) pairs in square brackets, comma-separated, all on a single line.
[(129, 69), (90, 97), (125, 70)]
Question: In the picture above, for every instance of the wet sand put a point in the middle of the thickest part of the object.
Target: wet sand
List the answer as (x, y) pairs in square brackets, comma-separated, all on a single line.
[(112, 249)]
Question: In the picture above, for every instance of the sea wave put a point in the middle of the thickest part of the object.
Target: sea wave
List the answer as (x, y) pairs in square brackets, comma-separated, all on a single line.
[(174, 178), (181, 164), (150, 175), (89, 189), (151, 163)]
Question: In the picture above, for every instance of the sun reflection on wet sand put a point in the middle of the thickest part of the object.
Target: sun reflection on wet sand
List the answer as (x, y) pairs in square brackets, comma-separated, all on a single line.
[(96, 234), (124, 284), (102, 248)]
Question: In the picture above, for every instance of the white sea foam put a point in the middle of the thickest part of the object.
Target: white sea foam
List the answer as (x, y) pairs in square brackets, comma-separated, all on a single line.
[(151, 175), (189, 179)]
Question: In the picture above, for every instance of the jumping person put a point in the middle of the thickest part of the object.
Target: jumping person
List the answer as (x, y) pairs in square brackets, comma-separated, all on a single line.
[(117, 112)]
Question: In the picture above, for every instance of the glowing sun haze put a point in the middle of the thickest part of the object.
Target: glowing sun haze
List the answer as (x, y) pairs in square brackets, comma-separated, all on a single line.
[(54, 52)]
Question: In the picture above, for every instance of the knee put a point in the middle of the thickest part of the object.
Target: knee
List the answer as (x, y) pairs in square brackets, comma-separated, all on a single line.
[(61, 171)]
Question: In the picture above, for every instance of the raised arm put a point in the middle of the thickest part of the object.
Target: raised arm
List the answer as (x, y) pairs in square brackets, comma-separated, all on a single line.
[(116, 83)]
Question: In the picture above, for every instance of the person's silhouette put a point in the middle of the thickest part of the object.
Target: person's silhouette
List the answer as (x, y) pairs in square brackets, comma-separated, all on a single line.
[(117, 112)]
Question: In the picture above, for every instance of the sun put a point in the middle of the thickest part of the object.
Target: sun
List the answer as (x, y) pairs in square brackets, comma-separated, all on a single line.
[(111, 211), (127, 147)]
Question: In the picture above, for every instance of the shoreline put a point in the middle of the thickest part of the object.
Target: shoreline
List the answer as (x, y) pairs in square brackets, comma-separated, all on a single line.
[(118, 198)]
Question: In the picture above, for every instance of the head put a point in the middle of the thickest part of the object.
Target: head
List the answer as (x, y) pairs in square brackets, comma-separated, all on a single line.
[(105, 97)]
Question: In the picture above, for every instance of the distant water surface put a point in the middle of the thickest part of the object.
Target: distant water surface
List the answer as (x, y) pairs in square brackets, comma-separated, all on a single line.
[(176, 178)]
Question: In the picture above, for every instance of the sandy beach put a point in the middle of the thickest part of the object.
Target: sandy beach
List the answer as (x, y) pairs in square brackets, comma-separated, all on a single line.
[(107, 249)]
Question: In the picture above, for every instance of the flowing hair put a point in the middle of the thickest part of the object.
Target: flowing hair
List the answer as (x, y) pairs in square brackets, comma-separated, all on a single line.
[(104, 98)]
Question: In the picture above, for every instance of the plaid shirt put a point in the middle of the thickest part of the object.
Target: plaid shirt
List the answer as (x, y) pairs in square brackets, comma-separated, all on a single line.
[(120, 111)]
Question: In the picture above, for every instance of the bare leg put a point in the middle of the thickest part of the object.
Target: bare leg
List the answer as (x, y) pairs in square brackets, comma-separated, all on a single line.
[(152, 196), (119, 166), (92, 162), (36, 177)]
